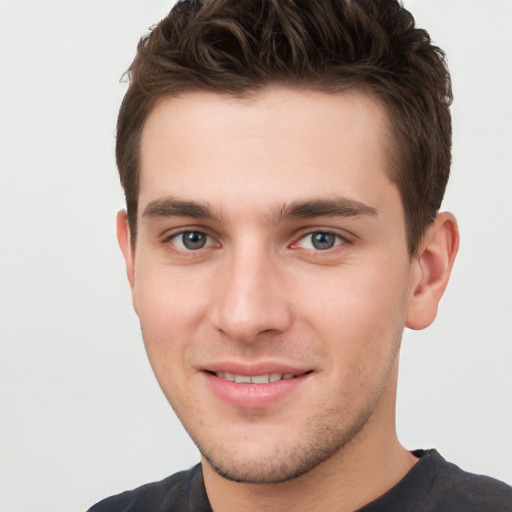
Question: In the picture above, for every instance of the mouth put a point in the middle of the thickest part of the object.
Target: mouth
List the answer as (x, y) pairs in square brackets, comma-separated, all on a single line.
[(255, 388), (265, 378), (257, 385)]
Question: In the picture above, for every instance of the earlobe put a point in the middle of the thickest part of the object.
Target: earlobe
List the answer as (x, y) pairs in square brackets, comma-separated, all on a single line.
[(431, 270), (125, 243)]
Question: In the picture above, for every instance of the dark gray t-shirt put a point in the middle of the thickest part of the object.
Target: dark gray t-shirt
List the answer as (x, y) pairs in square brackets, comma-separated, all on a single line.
[(432, 485)]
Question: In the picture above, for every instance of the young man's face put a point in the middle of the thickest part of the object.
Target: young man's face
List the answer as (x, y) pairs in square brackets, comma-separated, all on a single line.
[(271, 244)]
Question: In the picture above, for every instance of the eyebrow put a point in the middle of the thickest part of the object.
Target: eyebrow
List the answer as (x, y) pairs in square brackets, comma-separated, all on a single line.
[(173, 207), (335, 207)]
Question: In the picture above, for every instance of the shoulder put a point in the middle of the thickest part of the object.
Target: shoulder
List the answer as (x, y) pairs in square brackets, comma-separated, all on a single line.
[(460, 490), (171, 493), (435, 485)]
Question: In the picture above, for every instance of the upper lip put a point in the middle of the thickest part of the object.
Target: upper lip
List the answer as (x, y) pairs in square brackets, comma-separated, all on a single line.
[(252, 370)]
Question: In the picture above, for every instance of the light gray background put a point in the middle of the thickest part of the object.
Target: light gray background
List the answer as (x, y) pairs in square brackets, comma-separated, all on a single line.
[(81, 414)]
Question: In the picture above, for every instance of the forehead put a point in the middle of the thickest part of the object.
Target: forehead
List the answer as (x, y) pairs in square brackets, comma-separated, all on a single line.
[(278, 145)]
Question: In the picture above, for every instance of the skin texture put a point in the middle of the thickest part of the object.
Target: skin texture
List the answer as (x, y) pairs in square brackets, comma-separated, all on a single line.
[(259, 295)]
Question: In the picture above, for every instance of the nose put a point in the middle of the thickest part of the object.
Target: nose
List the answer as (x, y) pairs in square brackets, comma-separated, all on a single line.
[(251, 297)]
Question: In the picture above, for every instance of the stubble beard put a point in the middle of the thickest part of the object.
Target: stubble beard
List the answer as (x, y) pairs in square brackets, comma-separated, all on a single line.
[(323, 440), (325, 436)]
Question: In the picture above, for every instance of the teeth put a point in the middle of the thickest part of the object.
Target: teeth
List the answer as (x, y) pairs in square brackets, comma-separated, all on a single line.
[(260, 379), (255, 379)]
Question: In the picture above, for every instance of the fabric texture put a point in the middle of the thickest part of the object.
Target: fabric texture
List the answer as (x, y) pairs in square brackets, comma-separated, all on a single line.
[(432, 485)]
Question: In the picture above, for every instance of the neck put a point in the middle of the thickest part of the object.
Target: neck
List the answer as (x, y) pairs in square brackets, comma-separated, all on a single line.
[(364, 469)]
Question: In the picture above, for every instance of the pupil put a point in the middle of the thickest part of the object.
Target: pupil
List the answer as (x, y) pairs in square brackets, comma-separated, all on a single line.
[(194, 240), (323, 240)]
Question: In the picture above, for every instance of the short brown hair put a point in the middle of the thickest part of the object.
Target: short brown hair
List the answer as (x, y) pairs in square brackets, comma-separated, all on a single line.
[(240, 46)]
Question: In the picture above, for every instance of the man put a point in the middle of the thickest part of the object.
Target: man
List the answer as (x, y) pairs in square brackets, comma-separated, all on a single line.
[(284, 163)]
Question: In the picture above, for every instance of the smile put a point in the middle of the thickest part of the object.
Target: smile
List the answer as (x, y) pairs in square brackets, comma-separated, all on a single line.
[(256, 390), (255, 379)]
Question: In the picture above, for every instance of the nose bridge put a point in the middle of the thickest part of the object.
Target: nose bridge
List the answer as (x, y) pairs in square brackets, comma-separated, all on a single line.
[(249, 299)]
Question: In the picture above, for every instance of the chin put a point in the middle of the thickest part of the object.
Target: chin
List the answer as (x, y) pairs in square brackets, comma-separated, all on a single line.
[(255, 461), (272, 470)]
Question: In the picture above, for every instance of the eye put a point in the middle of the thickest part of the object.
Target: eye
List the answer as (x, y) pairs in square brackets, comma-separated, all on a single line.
[(191, 240), (320, 241)]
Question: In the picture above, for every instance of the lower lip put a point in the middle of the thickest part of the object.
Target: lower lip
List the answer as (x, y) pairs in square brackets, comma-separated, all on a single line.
[(252, 396)]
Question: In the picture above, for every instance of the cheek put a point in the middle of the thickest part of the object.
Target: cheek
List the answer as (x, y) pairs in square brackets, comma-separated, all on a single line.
[(169, 310), (168, 299), (361, 311), (360, 326), (164, 314), (352, 293)]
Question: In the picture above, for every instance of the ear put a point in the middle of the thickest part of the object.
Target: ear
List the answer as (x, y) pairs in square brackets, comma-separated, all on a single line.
[(431, 269), (127, 248)]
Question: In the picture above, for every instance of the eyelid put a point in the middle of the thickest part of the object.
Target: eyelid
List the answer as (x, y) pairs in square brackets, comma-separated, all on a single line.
[(168, 237), (343, 236)]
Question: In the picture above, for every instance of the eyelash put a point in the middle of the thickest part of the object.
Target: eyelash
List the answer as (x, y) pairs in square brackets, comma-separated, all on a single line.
[(340, 240), (169, 240)]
